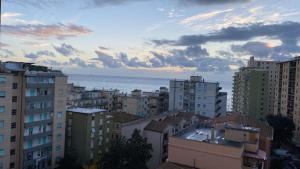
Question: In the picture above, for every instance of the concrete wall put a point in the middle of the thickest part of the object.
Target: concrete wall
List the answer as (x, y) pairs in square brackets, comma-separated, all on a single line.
[(156, 139), (60, 98), (204, 155)]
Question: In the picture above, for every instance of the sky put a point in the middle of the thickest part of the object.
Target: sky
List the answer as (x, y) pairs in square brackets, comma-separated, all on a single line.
[(149, 38)]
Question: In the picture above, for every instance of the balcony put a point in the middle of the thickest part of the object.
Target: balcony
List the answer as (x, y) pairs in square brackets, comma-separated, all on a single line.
[(38, 135), (35, 123)]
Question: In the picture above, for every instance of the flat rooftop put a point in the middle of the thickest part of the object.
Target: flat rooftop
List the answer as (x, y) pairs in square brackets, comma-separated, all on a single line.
[(86, 110), (205, 135)]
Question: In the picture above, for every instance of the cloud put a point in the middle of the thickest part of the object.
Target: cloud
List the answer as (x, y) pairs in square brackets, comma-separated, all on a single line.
[(43, 31), (203, 16), (6, 53), (2, 45), (39, 54), (193, 57), (66, 50), (210, 2), (35, 3), (263, 50), (7, 15), (282, 31), (107, 60), (103, 48), (79, 62), (133, 62)]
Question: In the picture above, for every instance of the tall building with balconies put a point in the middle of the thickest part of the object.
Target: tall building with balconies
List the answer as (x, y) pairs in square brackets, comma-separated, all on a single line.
[(32, 121), (272, 68), (250, 92), (196, 95), (287, 97)]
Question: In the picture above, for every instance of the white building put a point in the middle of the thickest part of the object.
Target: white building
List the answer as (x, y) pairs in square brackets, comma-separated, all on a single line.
[(196, 95)]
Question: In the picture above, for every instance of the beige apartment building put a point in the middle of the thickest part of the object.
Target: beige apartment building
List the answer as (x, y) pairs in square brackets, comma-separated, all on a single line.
[(271, 67), (287, 96), (32, 121), (225, 145), (146, 104)]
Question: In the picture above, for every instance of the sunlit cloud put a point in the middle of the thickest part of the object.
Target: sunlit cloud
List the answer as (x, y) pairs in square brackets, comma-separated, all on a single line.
[(204, 16), (44, 31)]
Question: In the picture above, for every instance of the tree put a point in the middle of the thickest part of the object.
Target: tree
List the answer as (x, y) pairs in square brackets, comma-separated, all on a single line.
[(133, 153), (139, 151), (283, 129), (69, 162)]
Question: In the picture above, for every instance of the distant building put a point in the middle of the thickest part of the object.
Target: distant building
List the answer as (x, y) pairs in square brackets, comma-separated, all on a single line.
[(287, 97), (146, 104), (78, 96), (124, 124), (228, 144), (88, 133), (196, 95), (272, 68), (251, 92), (159, 130), (32, 121)]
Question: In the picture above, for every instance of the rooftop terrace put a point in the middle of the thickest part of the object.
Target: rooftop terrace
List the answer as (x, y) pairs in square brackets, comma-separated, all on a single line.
[(205, 135)]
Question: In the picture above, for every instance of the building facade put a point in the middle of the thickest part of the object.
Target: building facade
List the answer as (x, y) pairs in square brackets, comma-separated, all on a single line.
[(251, 92), (272, 68), (88, 133), (146, 104), (33, 103), (287, 97), (196, 95), (110, 100)]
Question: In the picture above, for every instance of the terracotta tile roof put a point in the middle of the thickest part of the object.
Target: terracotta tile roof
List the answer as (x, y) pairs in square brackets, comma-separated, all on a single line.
[(122, 117), (174, 119), (170, 165)]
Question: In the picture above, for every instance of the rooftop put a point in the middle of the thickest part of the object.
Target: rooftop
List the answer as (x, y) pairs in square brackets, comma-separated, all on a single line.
[(86, 110), (123, 117), (205, 135)]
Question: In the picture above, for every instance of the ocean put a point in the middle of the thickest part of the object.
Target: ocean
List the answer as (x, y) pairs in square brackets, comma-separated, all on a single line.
[(127, 84)]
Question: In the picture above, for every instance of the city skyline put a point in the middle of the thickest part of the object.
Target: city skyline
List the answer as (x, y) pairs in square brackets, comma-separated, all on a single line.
[(149, 37)]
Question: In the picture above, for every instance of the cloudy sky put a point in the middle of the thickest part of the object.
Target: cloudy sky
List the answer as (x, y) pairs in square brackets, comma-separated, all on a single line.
[(157, 38)]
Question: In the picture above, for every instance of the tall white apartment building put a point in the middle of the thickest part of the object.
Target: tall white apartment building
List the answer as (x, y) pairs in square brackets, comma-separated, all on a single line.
[(196, 95)]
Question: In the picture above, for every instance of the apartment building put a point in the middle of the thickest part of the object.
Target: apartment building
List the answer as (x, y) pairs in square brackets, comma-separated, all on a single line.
[(159, 130), (146, 104), (110, 100), (233, 146), (287, 96), (272, 68), (251, 92), (32, 121), (196, 95), (88, 133)]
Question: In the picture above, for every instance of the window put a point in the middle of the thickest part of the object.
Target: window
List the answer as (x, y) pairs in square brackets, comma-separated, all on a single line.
[(2, 94), (12, 152), (12, 165), (59, 125), (2, 109), (1, 165), (58, 137), (13, 125), (15, 86), (1, 123), (14, 112), (59, 115), (2, 153), (58, 148), (2, 79), (14, 99), (1, 138), (13, 139)]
